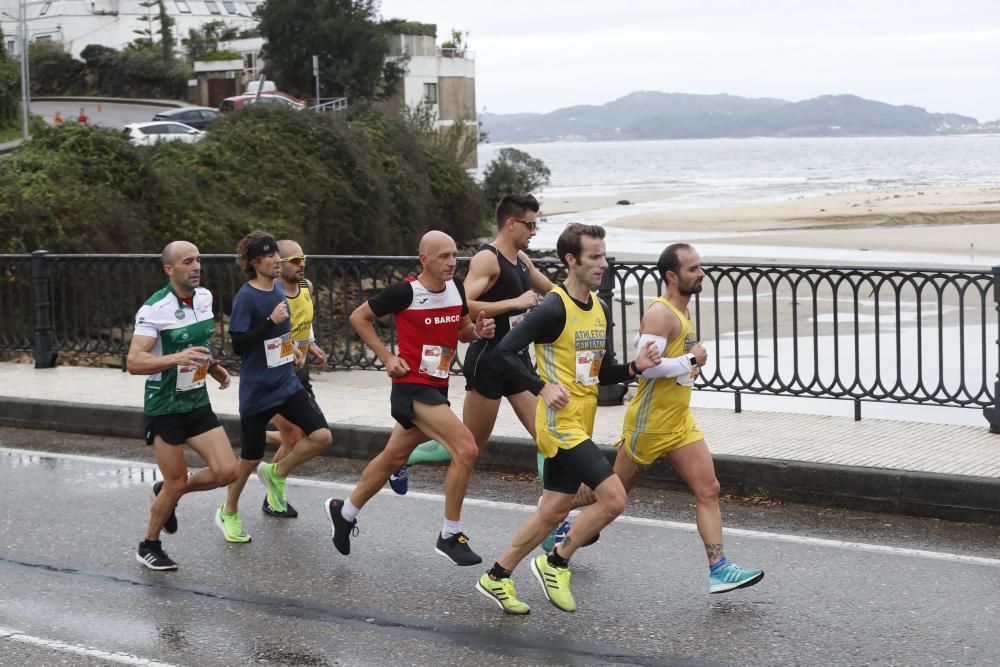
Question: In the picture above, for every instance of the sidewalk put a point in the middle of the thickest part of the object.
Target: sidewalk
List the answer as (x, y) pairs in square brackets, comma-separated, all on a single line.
[(921, 469)]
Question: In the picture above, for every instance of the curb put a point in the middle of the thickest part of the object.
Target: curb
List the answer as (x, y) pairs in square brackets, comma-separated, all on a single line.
[(952, 497), (115, 100)]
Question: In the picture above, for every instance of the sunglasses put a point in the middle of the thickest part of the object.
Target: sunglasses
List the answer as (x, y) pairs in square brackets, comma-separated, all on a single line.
[(530, 224), (298, 260)]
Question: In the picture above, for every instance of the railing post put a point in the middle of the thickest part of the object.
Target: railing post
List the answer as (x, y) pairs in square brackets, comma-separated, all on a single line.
[(610, 394), (992, 412), (45, 357)]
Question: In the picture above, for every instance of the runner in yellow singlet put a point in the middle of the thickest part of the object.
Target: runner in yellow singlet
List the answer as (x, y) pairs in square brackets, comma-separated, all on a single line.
[(658, 421), (299, 293)]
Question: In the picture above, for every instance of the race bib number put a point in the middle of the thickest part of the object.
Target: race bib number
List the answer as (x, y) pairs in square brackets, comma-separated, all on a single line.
[(588, 366), (279, 351), (515, 320), (191, 377), (435, 360)]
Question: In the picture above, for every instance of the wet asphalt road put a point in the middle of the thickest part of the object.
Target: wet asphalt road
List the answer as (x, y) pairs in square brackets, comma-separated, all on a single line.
[(115, 116), (67, 573)]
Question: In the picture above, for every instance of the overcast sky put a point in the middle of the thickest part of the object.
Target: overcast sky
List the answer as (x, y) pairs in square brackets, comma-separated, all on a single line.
[(541, 55)]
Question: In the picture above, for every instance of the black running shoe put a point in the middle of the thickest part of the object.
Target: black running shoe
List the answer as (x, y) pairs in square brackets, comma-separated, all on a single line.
[(170, 526), (290, 513), (152, 555), (341, 528), (456, 549)]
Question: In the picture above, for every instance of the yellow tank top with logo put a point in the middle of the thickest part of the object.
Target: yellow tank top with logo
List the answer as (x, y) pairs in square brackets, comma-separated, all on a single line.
[(573, 360), (302, 315), (662, 405)]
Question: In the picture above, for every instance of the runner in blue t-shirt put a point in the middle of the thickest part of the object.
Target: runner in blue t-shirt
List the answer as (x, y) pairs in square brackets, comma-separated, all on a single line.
[(261, 335)]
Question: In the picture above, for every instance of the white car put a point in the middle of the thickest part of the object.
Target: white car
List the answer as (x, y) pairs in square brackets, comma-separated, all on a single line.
[(147, 134)]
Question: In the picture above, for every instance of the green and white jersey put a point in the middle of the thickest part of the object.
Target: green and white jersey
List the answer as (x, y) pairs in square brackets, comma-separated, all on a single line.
[(176, 326)]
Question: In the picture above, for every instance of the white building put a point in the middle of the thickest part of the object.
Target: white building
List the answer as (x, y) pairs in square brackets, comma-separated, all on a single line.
[(113, 23), (443, 77)]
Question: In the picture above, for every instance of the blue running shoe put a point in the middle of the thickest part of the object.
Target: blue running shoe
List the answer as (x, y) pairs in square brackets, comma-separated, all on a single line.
[(400, 480), (556, 536), (731, 577)]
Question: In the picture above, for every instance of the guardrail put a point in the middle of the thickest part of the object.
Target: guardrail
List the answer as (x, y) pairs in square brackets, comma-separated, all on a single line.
[(903, 335)]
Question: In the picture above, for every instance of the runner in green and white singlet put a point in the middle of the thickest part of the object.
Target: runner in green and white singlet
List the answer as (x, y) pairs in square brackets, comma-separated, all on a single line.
[(171, 343)]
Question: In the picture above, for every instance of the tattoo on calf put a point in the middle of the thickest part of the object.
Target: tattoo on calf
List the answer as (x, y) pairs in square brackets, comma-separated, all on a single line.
[(565, 542), (714, 551)]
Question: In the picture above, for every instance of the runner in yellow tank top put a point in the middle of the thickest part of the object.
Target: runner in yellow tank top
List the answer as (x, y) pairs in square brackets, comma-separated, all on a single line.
[(569, 331), (299, 293), (658, 421)]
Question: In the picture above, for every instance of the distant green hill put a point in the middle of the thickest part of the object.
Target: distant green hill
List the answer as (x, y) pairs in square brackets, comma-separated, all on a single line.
[(655, 115)]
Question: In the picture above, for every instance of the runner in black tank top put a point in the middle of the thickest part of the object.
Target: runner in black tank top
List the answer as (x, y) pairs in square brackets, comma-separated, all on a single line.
[(504, 283)]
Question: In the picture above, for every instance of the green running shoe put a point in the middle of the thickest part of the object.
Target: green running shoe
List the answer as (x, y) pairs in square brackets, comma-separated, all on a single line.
[(503, 593), (275, 486), (555, 583), (231, 525)]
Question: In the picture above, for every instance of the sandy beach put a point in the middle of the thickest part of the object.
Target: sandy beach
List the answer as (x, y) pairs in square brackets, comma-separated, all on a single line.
[(947, 220)]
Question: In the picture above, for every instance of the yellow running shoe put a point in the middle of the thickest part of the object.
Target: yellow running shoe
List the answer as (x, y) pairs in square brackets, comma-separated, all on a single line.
[(231, 525), (555, 582), (503, 593)]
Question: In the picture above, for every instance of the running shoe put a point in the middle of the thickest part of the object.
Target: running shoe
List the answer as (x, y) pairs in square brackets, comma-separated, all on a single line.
[(399, 481), (152, 555), (275, 486), (556, 536), (503, 593), (555, 583), (341, 528), (231, 525), (170, 526), (456, 549), (289, 513), (731, 577)]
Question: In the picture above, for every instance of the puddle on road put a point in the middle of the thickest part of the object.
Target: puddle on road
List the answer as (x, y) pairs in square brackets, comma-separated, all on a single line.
[(84, 471)]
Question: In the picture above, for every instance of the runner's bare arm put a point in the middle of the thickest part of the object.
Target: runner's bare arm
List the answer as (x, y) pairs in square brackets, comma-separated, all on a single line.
[(141, 360), (361, 320), (539, 282), (483, 274)]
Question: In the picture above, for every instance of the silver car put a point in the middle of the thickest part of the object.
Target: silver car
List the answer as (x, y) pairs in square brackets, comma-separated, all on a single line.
[(147, 134)]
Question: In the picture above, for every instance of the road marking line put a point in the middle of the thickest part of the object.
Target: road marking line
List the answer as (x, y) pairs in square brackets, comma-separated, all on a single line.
[(631, 520), (9, 634)]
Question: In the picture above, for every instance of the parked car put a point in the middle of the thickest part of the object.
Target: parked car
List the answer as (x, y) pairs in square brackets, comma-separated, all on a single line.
[(197, 117), (269, 97), (147, 134)]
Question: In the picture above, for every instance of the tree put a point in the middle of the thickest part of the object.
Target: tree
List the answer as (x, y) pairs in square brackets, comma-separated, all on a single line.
[(165, 30), (53, 71), (513, 171), (10, 81), (345, 34), (203, 43)]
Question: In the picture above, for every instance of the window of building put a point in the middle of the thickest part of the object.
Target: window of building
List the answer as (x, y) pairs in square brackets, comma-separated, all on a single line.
[(213, 7), (251, 7), (231, 7), (431, 93), (45, 9), (10, 46), (182, 6)]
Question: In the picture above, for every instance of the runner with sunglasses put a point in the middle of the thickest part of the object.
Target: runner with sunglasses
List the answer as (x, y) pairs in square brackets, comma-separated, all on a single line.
[(503, 283), (299, 294)]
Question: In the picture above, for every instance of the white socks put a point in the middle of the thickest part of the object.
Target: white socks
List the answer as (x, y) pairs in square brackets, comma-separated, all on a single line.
[(451, 528), (349, 511)]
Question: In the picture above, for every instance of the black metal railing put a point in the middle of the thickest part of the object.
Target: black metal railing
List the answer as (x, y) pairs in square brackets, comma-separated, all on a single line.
[(904, 335)]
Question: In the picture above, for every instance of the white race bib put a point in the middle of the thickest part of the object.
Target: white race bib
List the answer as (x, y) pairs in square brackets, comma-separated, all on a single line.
[(515, 320), (435, 360), (588, 366), (191, 377), (280, 350)]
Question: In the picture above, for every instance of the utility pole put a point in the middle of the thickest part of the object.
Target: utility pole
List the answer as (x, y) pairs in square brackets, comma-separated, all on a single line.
[(316, 76), (25, 83)]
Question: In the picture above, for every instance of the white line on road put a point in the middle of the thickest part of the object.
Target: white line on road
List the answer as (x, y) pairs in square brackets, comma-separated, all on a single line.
[(632, 520), (9, 634)]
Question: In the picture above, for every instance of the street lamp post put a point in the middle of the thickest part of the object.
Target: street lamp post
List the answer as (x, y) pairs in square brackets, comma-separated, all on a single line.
[(25, 83)]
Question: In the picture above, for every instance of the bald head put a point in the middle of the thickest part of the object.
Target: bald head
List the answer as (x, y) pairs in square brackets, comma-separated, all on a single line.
[(433, 241), (438, 256), (289, 248), (176, 249)]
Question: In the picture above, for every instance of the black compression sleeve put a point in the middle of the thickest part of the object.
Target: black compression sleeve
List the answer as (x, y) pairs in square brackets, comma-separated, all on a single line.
[(244, 340), (612, 373), (542, 324)]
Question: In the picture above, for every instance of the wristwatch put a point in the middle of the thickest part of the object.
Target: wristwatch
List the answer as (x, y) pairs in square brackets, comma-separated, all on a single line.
[(693, 359)]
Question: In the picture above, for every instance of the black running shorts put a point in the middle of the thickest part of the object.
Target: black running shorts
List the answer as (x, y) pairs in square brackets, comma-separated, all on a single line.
[(405, 393), (481, 376), (582, 464), (303, 375), (177, 428), (300, 409)]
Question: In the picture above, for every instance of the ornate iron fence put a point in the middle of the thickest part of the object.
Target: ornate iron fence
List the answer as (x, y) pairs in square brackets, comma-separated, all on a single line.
[(905, 335)]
